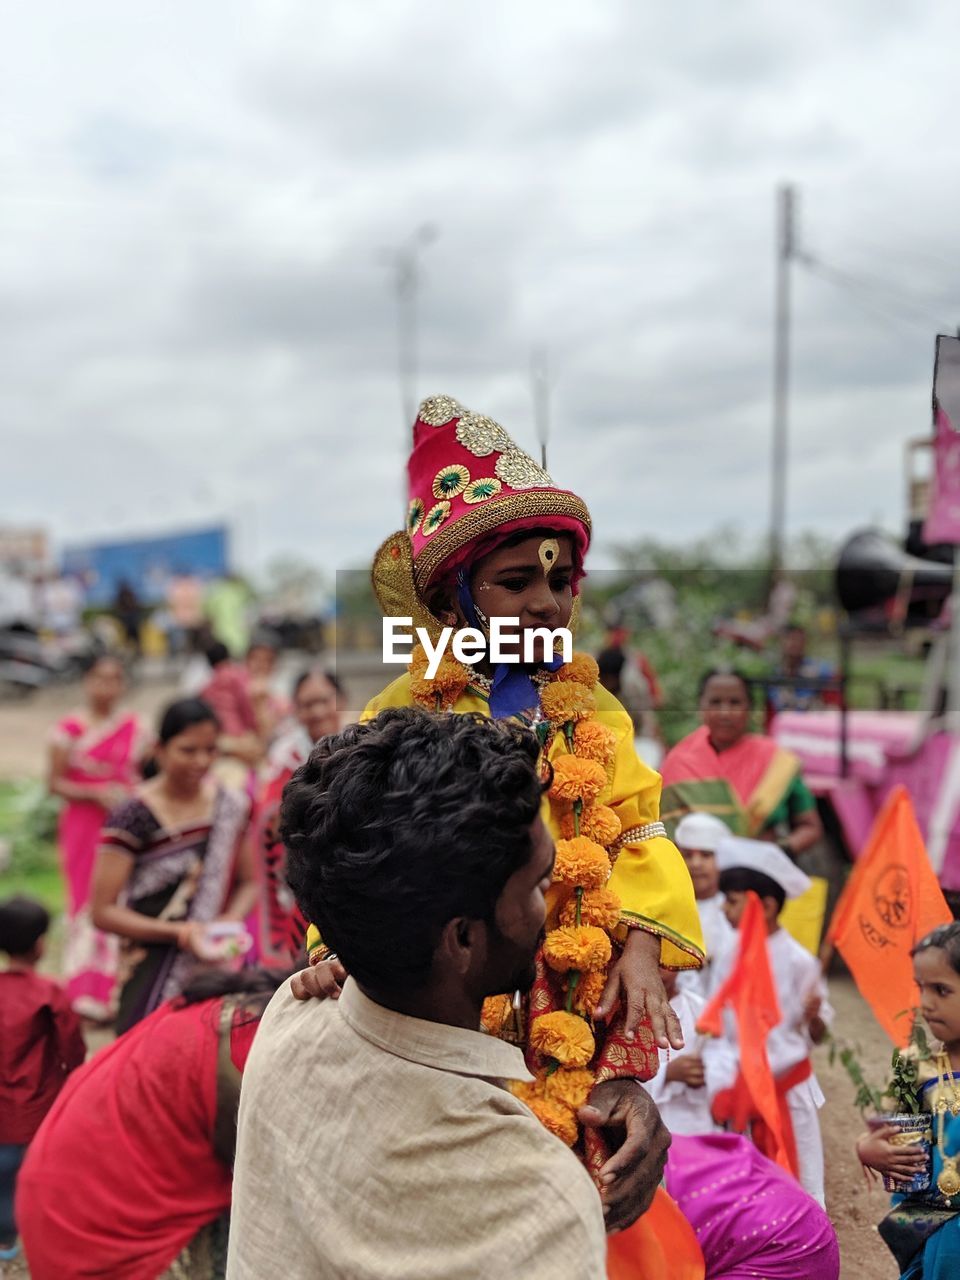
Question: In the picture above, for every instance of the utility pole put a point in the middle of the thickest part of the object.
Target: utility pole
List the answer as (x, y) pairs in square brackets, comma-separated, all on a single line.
[(786, 249), (541, 401), (405, 261)]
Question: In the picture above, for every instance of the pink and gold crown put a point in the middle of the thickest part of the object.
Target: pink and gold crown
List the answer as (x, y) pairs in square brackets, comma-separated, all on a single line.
[(469, 485)]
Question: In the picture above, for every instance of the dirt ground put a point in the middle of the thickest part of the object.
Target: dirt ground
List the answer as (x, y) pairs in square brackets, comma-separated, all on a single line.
[(854, 1207)]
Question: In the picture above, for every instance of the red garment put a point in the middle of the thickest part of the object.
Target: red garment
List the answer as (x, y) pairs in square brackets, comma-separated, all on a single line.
[(40, 1043), (122, 1174), (228, 693)]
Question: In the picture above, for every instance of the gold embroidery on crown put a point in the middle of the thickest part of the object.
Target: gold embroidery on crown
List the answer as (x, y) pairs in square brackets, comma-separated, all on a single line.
[(437, 411), (482, 490), (449, 481), (435, 518), (482, 436), (414, 516), (518, 470)]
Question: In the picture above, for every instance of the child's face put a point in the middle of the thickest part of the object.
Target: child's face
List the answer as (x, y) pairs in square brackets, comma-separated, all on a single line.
[(939, 985), (735, 903), (702, 865)]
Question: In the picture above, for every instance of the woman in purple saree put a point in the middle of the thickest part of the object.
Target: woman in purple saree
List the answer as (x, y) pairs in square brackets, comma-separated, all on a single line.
[(93, 766)]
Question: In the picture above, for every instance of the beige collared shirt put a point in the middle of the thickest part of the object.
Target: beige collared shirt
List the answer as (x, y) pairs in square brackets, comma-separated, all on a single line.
[(374, 1146)]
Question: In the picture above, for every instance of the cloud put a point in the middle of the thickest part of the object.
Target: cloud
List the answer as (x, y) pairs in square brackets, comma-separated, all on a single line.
[(199, 207)]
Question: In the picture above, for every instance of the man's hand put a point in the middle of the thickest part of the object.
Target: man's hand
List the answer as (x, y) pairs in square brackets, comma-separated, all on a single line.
[(688, 1070), (635, 984), (323, 981), (631, 1127)]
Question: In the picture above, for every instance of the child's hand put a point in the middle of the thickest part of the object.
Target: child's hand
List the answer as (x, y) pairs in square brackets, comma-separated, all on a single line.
[(876, 1151), (811, 1007), (688, 1070)]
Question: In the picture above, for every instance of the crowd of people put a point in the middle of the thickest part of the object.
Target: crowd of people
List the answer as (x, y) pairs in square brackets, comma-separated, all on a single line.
[(461, 954)]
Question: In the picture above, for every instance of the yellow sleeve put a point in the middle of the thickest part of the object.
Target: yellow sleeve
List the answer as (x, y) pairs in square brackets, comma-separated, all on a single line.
[(649, 876)]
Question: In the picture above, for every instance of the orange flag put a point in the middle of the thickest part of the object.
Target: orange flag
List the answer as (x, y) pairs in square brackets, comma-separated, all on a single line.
[(891, 900), (751, 993)]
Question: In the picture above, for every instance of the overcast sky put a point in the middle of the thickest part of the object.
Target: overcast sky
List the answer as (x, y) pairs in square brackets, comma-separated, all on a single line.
[(196, 199)]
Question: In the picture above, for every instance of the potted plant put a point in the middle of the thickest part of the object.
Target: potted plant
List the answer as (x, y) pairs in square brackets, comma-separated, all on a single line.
[(898, 1103)]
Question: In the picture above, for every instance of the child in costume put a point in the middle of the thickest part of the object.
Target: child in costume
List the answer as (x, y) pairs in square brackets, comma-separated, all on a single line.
[(489, 535), (805, 1010), (697, 836), (681, 1088), (923, 1229)]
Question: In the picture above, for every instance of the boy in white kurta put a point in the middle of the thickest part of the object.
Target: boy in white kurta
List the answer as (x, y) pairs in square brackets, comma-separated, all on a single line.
[(697, 836), (801, 992), (681, 1087)]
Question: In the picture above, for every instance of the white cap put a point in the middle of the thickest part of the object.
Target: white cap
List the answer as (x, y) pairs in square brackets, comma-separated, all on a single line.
[(700, 831), (768, 859)]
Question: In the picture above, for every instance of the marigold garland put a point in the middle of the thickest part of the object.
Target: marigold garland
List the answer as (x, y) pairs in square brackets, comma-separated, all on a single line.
[(598, 822), (557, 1117), (600, 907), (564, 1037), (581, 862), (575, 779), (562, 703), (440, 692), (581, 947), (588, 991), (582, 669), (571, 1086), (593, 741)]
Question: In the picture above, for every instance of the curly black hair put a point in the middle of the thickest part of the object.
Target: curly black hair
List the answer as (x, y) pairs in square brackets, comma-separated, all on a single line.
[(395, 827)]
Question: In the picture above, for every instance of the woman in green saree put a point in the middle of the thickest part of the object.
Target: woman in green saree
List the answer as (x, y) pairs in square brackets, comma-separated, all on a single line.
[(748, 781)]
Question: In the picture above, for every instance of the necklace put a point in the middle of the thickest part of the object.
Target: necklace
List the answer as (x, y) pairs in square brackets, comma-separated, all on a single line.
[(948, 1179)]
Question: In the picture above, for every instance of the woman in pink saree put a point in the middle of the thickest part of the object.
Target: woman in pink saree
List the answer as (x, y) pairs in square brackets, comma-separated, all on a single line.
[(94, 754)]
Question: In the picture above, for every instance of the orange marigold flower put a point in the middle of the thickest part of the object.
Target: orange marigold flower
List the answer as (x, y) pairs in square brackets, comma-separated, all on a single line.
[(556, 1117), (594, 741), (564, 702), (589, 989), (581, 668), (563, 1036), (451, 676), (597, 822), (575, 779), (418, 661), (570, 1087), (600, 907), (584, 948), (440, 693), (527, 1091), (581, 862), (495, 1012)]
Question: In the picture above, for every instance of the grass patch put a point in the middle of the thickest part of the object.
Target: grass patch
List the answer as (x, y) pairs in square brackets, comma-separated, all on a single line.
[(28, 825)]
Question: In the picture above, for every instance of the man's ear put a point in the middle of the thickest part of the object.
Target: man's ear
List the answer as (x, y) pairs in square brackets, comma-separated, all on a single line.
[(460, 944)]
